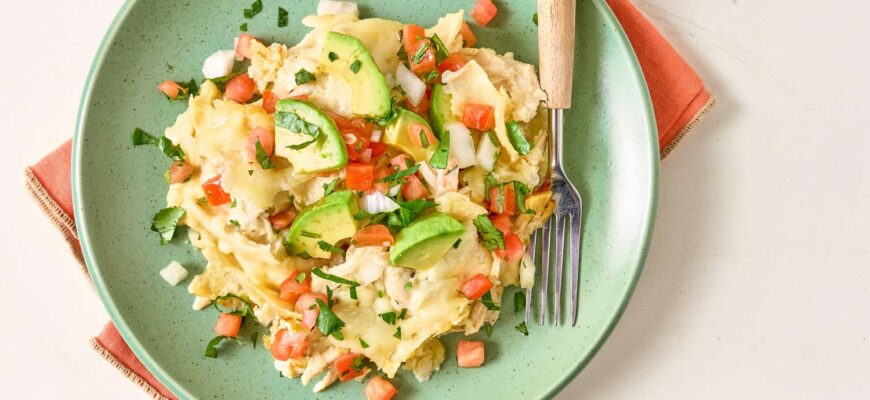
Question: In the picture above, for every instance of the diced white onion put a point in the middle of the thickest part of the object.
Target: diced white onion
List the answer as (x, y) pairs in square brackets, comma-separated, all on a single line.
[(461, 144), (394, 191), (414, 88), (486, 152), (219, 64), (376, 135), (376, 202), (201, 302), (173, 273), (428, 175), (327, 7)]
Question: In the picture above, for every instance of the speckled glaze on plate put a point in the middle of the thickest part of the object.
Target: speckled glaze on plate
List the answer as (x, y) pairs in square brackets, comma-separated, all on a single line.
[(611, 153)]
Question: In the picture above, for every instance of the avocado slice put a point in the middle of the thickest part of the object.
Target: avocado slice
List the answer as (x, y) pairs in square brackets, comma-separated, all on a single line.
[(439, 111), (298, 122), (424, 241), (347, 57), (396, 135), (329, 220)]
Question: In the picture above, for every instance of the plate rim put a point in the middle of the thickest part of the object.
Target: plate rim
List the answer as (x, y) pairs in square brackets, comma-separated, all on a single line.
[(167, 380)]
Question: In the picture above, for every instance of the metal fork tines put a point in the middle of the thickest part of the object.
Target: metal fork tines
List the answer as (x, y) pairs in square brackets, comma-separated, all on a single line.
[(567, 216)]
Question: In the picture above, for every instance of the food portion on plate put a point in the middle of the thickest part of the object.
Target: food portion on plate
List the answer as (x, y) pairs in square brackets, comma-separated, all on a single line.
[(359, 194)]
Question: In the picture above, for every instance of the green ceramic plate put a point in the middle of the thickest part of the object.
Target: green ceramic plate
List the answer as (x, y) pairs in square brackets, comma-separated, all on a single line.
[(611, 153)]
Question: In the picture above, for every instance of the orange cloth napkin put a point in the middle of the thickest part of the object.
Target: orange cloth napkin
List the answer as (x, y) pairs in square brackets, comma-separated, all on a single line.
[(678, 95)]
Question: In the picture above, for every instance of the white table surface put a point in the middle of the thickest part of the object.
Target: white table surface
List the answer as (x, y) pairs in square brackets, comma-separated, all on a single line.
[(758, 282)]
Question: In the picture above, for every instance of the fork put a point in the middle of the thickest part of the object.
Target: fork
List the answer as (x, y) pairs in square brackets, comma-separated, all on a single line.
[(556, 59)]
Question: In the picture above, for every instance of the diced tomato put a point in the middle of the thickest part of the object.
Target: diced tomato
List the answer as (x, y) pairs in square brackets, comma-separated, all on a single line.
[(267, 141), (283, 219), (509, 202), (243, 46), (416, 129), (309, 318), (180, 172), (422, 108), (291, 288), (411, 35), (307, 300), (373, 235), (478, 116), (214, 192), (289, 345), (476, 287), (380, 389), (378, 149), (467, 35), (355, 141), (240, 89), (483, 12), (414, 189), (470, 353), (340, 122), (383, 187), (453, 62), (345, 368), (513, 248), (269, 101), (427, 63), (303, 97), (171, 89), (359, 176), (228, 325), (401, 162), (502, 222)]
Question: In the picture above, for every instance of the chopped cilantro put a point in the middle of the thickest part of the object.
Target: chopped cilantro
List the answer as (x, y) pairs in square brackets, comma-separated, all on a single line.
[(301, 277), (421, 52), (165, 145), (304, 255), (202, 201), (353, 292), (332, 56), (380, 293), (283, 17), (488, 183), (396, 177), (403, 313), (440, 49), (424, 140), (522, 328), (520, 192), (519, 301), (488, 329), (250, 172), (234, 203), (390, 116), (442, 153), (235, 223), (409, 286), (327, 322), (491, 237), (330, 187), (165, 223), (355, 66), (456, 243), (309, 234), (535, 18), (211, 349), (254, 336), (245, 311), (489, 303), (431, 76), (518, 138), (303, 76), (363, 343), (255, 9), (357, 363), (388, 317), (329, 277), (398, 334), (263, 158), (243, 27), (302, 145)]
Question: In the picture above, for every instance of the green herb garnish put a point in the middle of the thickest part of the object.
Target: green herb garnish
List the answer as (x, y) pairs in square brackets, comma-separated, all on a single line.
[(263, 158), (234, 203), (301, 277), (390, 116), (303, 77), (522, 328), (421, 52), (409, 286), (332, 56), (302, 145), (380, 293), (254, 336), (396, 177), (535, 18), (245, 311), (363, 343), (304, 255), (330, 187), (440, 49), (488, 303), (488, 183), (327, 322), (329, 277), (211, 349), (283, 17), (165, 145), (456, 243), (519, 301), (488, 329), (518, 138), (520, 193), (309, 234), (353, 292), (424, 140), (243, 27), (403, 313), (441, 156), (388, 317), (355, 66), (398, 334), (491, 237), (235, 223), (165, 223), (255, 9)]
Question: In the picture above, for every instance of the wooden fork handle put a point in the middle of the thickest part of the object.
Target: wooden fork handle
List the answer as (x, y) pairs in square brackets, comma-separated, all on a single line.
[(556, 50)]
